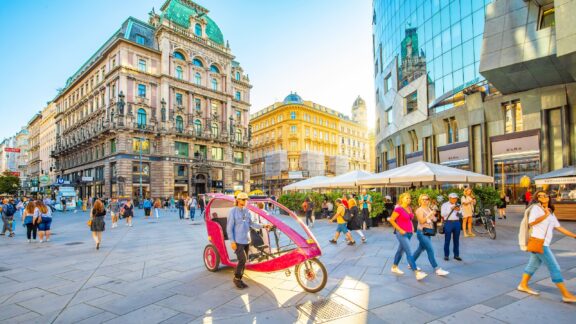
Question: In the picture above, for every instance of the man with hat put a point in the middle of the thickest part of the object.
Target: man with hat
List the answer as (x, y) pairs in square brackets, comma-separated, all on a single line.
[(451, 215), (238, 229)]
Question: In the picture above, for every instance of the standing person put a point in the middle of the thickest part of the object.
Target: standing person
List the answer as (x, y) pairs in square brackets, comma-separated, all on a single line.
[(468, 202), (147, 204), (63, 203), (366, 203), (528, 197), (180, 206), (8, 210), (128, 212), (342, 228), (98, 225), (85, 204), (543, 222), (157, 206), (187, 207), (307, 211), (172, 204), (43, 220), (238, 230), (401, 220), (29, 220), (502, 206), (201, 204), (192, 207), (356, 220), (426, 217), (325, 208), (451, 218), (114, 209), (329, 209)]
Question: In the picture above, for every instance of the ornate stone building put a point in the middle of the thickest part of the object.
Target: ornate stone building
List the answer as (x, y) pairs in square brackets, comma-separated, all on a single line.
[(162, 108)]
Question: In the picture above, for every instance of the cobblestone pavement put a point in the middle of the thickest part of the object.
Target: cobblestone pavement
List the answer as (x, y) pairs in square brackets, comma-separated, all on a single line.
[(153, 272)]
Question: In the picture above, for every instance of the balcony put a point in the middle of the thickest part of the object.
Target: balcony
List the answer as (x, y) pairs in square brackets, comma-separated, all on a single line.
[(144, 127), (142, 100)]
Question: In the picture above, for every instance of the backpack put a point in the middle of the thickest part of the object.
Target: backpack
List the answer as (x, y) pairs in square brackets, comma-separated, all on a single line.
[(9, 210), (347, 215), (524, 231)]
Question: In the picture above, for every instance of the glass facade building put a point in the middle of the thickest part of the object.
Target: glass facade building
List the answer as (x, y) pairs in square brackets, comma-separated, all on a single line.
[(442, 38)]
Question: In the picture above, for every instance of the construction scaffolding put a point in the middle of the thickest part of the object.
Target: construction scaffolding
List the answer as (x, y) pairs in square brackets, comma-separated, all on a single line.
[(313, 162), (338, 164), (274, 163)]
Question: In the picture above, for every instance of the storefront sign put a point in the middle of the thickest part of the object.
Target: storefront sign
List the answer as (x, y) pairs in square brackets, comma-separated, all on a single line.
[(563, 180), (181, 181), (453, 156), (87, 179), (217, 184), (503, 148), (238, 187), (12, 149), (44, 180), (295, 175)]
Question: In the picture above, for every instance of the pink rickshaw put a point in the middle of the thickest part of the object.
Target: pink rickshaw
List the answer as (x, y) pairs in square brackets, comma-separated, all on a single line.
[(289, 243)]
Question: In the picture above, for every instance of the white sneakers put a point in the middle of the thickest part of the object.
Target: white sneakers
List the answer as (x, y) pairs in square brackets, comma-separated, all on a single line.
[(420, 274), (442, 272), (396, 270)]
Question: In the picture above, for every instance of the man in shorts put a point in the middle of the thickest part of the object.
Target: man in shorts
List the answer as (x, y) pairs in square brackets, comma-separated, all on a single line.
[(342, 224)]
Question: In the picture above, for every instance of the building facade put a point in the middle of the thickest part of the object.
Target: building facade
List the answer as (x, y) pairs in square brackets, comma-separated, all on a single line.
[(22, 159), (296, 139), (47, 133), (509, 116), (161, 109), (33, 168)]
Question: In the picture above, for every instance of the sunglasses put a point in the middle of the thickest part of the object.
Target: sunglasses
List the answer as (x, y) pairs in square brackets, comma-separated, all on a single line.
[(425, 198), (543, 196), (243, 199)]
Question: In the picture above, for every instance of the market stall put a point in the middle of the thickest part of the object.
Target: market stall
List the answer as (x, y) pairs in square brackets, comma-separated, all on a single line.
[(561, 184)]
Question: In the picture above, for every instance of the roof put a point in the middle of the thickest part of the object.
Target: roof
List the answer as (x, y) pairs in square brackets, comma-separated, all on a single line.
[(293, 98), (180, 11)]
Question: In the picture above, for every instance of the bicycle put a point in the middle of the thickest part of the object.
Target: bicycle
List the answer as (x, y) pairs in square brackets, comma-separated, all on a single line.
[(484, 223)]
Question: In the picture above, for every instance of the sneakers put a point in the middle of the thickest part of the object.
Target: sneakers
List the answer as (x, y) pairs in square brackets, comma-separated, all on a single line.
[(446, 258), (239, 284), (41, 241), (97, 246), (396, 270), (29, 241), (441, 272), (417, 268), (364, 239), (351, 242), (472, 234), (11, 235), (420, 274), (333, 241), (458, 258), (47, 240), (569, 299), (527, 290)]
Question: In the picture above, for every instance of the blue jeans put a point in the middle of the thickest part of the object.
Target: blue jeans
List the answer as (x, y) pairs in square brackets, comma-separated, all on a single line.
[(192, 213), (425, 244), (452, 230), (548, 258), (404, 247), (181, 212)]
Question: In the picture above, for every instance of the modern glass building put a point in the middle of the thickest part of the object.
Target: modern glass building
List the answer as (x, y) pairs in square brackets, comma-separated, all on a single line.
[(442, 38)]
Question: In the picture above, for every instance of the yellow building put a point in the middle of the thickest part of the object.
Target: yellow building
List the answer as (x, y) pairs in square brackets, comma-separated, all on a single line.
[(296, 139)]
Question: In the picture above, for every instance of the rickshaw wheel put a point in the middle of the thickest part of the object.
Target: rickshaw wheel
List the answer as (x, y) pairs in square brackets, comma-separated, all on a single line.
[(211, 258), (311, 275)]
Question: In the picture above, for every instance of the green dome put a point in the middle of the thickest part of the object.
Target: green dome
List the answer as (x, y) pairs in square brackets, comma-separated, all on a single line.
[(179, 13)]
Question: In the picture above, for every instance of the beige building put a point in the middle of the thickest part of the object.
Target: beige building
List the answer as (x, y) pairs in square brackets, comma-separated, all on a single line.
[(22, 159), (296, 139), (33, 169), (161, 107), (47, 133)]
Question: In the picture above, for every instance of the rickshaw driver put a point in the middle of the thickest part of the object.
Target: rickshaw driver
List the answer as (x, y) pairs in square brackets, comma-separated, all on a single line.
[(238, 229)]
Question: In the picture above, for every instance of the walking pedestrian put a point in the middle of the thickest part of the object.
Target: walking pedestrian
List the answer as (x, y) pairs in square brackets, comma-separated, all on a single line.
[(172, 204), (468, 202), (401, 220), (8, 210), (426, 229), (366, 204), (147, 207), (157, 206), (325, 208), (43, 220), (84, 204), (29, 220), (186, 207), (63, 203), (356, 221), (180, 207), (192, 207), (342, 228), (238, 230), (502, 206), (307, 207), (114, 209), (98, 224), (128, 212), (527, 197), (543, 222), (201, 204), (451, 215)]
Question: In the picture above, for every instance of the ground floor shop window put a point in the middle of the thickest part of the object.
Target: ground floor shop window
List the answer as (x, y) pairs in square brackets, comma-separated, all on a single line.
[(508, 173)]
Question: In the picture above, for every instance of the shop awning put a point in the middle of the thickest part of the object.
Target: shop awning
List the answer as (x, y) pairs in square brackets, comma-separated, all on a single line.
[(565, 175)]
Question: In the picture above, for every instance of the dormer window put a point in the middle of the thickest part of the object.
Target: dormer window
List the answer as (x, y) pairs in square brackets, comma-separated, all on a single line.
[(179, 56), (140, 39), (198, 30)]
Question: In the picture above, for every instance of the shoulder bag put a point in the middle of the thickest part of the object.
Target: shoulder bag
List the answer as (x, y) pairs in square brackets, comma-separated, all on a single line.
[(429, 231), (536, 245)]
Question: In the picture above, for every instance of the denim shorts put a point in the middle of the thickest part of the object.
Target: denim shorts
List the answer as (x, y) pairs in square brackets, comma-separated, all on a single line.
[(342, 228), (45, 225)]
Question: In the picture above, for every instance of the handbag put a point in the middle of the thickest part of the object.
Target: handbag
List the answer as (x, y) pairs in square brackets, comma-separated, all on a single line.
[(89, 222), (429, 231), (536, 245), (444, 223)]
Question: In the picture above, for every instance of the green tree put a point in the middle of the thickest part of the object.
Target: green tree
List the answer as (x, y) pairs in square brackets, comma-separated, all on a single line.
[(9, 184)]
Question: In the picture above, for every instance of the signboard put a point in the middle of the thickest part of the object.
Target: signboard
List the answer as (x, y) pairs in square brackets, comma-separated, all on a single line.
[(44, 180), (516, 147), (87, 179), (12, 149), (60, 180), (14, 173), (562, 180), (238, 187), (454, 156), (295, 175)]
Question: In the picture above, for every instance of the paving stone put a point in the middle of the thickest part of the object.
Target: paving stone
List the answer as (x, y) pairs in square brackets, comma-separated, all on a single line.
[(402, 312), (179, 319), (99, 318), (149, 314), (127, 304), (500, 301), (77, 313), (46, 304), (482, 309), (535, 310), (469, 316), (12, 310)]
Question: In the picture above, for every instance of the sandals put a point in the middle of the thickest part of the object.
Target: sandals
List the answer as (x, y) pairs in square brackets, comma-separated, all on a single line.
[(528, 291)]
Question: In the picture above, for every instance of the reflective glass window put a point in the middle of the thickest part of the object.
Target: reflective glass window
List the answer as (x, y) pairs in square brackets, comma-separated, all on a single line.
[(457, 57), (466, 7), (429, 50), (448, 84), (436, 26), (456, 34), (467, 31), (469, 72), (438, 68), (447, 63), (458, 78), (445, 17), (477, 47), (437, 46), (477, 4), (478, 20), (468, 52), (446, 40), (454, 11)]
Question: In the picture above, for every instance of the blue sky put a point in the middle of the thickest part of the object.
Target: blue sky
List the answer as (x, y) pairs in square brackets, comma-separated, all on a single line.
[(318, 48)]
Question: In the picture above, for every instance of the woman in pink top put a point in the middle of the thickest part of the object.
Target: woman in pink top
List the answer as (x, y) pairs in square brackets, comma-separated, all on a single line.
[(401, 220)]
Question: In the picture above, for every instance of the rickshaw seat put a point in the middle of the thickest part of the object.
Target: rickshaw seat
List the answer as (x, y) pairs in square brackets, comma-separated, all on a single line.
[(223, 221)]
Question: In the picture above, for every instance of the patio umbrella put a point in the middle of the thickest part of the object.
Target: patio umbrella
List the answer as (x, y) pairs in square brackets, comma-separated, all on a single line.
[(305, 184), (346, 180), (565, 175), (424, 173)]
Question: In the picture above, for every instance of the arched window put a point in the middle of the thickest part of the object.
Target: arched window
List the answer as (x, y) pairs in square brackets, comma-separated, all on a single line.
[(198, 127), (237, 75), (179, 56), (238, 96), (197, 62), (198, 78), (141, 118), (179, 124), (238, 135), (179, 73), (214, 84), (214, 68), (215, 129), (198, 30)]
